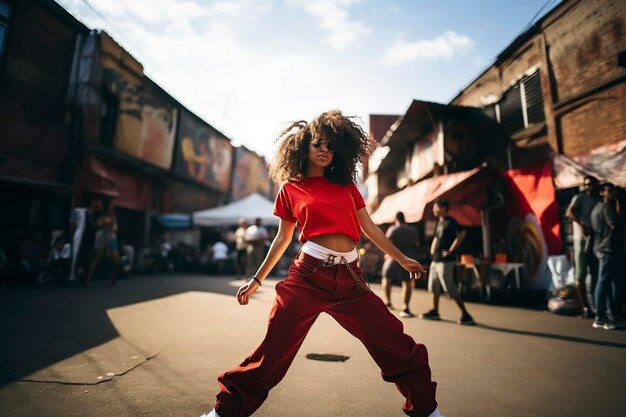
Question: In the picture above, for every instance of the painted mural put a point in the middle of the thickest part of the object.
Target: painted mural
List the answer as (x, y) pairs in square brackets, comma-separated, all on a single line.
[(533, 230), (251, 175), (204, 154), (146, 120)]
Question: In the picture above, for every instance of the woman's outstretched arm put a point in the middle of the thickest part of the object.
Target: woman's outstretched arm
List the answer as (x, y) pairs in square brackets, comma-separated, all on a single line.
[(279, 246)]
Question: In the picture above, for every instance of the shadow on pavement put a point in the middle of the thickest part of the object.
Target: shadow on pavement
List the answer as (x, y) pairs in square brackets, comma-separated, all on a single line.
[(40, 327), (554, 336)]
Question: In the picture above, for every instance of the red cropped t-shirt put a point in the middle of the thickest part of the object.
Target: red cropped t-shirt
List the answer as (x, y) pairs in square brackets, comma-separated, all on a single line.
[(320, 207)]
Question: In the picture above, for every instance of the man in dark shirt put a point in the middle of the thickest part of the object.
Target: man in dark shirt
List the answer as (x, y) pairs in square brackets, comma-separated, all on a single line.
[(448, 238), (609, 248), (405, 239), (585, 261)]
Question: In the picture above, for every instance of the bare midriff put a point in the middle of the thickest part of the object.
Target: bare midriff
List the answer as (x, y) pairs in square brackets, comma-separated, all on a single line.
[(338, 243)]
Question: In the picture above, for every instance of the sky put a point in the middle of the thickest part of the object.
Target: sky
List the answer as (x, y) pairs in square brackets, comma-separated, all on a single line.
[(249, 67)]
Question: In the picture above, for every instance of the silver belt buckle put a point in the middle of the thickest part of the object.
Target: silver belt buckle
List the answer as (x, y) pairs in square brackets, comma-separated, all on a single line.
[(329, 261)]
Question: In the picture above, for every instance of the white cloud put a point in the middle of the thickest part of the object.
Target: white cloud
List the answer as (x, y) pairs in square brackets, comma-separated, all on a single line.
[(445, 46), (246, 88), (335, 19)]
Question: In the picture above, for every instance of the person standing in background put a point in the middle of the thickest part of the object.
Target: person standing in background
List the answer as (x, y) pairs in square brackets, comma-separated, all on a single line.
[(241, 263), (405, 238), (448, 238), (59, 260), (585, 261), (105, 244), (609, 248), (255, 237)]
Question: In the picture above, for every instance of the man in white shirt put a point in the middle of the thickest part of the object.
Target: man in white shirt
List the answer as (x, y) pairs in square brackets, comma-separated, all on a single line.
[(219, 256), (255, 236), (241, 247)]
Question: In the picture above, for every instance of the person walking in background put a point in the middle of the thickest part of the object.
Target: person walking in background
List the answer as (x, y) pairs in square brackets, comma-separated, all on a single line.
[(219, 256), (127, 250), (59, 260), (241, 263), (448, 238), (105, 244), (585, 261), (609, 248), (405, 238), (165, 251), (316, 164), (255, 237)]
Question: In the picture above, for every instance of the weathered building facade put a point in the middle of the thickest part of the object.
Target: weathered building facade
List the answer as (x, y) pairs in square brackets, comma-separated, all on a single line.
[(556, 93), (37, 141), (559, 87), (78, 117)]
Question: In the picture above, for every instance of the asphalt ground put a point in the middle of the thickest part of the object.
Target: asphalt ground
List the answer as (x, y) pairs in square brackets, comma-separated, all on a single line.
[(153, 346)]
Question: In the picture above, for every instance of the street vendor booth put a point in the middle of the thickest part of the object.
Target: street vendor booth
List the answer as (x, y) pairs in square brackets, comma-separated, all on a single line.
[(524, 217), (460, 154)]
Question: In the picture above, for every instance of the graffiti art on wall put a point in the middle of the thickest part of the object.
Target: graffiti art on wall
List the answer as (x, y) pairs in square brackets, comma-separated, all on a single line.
[(533, 229), (204, 154), (146, 121), (251, 175)]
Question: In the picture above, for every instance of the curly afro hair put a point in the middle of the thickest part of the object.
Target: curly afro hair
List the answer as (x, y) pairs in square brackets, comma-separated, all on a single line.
[(352, 145)]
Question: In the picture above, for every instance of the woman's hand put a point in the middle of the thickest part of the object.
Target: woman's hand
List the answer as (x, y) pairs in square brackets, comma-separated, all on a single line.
[(416, 270), (245, 291)]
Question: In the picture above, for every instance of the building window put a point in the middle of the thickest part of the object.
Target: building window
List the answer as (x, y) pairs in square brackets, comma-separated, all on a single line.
[(5, 16), (533, 99), (511, 110), (520, 107)]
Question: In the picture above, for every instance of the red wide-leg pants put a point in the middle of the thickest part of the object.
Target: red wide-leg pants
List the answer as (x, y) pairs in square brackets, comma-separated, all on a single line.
[(309, 290)]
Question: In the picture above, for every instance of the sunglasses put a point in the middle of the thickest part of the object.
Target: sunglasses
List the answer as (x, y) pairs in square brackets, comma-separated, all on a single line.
[(329, 147)]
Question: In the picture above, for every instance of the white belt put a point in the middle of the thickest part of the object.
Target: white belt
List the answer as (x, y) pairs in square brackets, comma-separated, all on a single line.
[(329, 256)]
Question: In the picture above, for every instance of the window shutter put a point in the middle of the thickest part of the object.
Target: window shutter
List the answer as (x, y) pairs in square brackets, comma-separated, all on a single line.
[(511, 116), (534, 99)]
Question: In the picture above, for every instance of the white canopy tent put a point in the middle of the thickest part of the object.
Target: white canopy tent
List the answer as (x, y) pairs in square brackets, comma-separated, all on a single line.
[(250, 207)]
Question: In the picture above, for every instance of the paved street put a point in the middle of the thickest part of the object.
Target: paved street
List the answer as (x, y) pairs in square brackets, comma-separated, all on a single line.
[(153, 346)]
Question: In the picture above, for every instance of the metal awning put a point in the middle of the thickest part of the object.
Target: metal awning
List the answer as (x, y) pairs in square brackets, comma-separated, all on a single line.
[(465, 190), (423, 116)]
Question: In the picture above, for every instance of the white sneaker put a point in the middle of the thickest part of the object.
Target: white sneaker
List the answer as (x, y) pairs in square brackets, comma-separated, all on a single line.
[(213, 413), (406, 313), (436, 413)]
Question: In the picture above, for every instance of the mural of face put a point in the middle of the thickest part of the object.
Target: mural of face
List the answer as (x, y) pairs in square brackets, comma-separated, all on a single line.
[(221, 151), (156, 138), (526, 244)]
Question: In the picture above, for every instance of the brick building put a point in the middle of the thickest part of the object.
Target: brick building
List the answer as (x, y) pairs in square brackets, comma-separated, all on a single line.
[(559, 87), (37, 141), (78, 117), (549, 109)]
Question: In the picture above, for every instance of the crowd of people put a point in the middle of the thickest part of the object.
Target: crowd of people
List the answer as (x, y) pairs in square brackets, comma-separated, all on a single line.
[(598, 234), (93, 239)]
